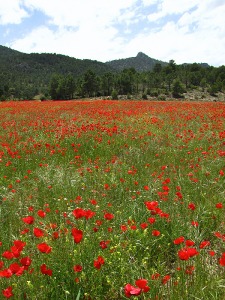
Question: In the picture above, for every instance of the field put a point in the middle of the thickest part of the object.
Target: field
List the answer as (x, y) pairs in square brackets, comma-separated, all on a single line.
[(112, 200)]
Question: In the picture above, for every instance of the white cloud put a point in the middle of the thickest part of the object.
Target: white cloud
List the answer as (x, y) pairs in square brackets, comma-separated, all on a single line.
[(11, 12), (80, 44), (85, 29), (103, 30), (77, 12), (149, 2)]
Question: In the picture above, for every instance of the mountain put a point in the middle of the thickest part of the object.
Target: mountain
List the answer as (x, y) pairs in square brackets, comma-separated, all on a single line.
[(25, 75), (47, 64), (140, 63)]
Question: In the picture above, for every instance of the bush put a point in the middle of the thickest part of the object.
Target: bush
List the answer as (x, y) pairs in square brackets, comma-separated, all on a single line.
[(177, 89), (114, 95), (144, 97)]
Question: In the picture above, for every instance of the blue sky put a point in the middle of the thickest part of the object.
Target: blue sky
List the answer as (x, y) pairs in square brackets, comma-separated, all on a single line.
[(183, 30)]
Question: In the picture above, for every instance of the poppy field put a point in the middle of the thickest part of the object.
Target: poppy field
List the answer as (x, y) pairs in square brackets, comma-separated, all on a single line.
[(112, 200)]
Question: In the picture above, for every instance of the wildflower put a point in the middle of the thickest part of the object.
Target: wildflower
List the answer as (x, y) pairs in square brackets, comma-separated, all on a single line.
[(28, 220), (45, 270), (166, 278), (77, 268), (222, 260), (143, 285), (41, 213), (99, 262), (179, 240), (7, 292), (219, 205), (204, 244), (130, 290), (108, 216), (191, 206), (44, 248), (38, 232), (77, 235), (155, 232)]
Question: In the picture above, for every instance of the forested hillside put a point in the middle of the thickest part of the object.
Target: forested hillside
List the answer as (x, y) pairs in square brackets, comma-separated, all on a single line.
[(54, 76)]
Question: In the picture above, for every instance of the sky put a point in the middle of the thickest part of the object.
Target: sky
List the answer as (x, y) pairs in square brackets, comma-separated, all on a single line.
[(186, 31)]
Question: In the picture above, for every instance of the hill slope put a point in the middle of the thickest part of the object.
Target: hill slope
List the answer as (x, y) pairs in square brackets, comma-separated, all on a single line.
[(140, 63)]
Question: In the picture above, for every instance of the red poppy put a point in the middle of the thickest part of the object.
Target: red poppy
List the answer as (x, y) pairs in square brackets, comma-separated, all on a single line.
[(8, 255), (7, 292), (41, 213), (130, 290), (222, 260), (77, 268), (99, 262), (183, 254), (151, 220), (189, 243), (38, 232), (45, 270), (28, 220), (7, 273), (103, 244), (166, 278), (155, 232), (179, 240), (26, 262), (77, 235), (204, 244), (79, 213), (219, 205), (44, 248), (16, 269), (191, 206), (142, 284), (108, 216)]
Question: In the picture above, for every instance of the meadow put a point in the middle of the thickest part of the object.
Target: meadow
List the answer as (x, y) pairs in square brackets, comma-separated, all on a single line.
[(112, 200)]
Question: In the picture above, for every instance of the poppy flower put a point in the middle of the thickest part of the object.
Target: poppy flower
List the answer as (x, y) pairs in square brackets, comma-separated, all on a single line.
[(16, 269), (77, 268), (44, 248), (166, 278), (28, 220), (77, 235), (26, 261), (142, 284), (130, 290), (103, 244), (45, 270), (204, 244), (38, 232), (191, 206), (41, 213), (7, 273), (222, 260), (179, 240), (7, 292), (155, 232), (99, 262), (8, 255), (108, 216), (183, 254), (219, 205)]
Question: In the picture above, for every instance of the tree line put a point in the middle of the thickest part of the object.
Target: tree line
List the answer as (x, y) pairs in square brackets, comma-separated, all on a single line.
[(171, 79)]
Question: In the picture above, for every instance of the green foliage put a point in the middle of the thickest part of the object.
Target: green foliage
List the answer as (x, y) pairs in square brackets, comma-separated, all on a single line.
[(114, 95), (62, 87), (144, 97), (26, 76), (177, 89)]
